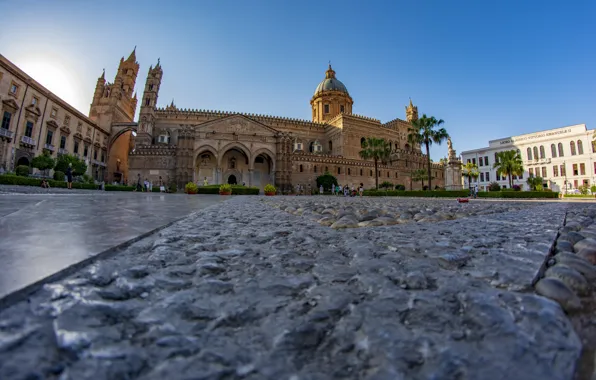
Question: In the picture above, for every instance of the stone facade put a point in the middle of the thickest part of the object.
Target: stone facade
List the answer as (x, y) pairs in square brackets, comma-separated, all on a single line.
[(183, 145), (34, 120)]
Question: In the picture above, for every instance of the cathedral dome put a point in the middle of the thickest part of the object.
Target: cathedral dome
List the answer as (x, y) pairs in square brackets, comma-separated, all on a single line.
[(330, 83)]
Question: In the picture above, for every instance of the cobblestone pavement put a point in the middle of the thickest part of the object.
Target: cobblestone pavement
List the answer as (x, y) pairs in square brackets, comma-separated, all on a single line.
[(41, 234), (244, 290)]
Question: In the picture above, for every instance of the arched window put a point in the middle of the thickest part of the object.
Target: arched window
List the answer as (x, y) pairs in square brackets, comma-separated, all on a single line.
[(553, 150), (395, 174), (362, 142), (535, 153), (497, 157), (529, 153), (315, 168), (572, 146), (164, 137), (580, 147), (561, 153), (311, 148), (387, 173), (360, 171), (330, 146), (301, 169), (542, 154), (349, 171), (371, 173), (338, 170)]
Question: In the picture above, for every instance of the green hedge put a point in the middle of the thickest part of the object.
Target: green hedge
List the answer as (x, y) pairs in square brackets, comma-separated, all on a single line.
[(27, 181), (236, 190), (418, 193), (118, 188), (518, 194)]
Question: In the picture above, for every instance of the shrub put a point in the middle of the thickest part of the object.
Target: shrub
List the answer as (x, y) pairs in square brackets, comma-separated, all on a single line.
[(593, 189), (519, 194), (27, 181), (59, 176), (269, 189), (78, 166), (43, 162), (493, 186), (236, 190), (22, 170), (425, 187), (386, 185), (173, 188), (327, 180), (400, 187), (191, 188), (516, 188), (583, 189), (118, 188), (225, 188)]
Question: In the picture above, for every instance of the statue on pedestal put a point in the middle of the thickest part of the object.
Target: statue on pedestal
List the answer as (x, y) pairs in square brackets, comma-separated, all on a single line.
[(451, 152)]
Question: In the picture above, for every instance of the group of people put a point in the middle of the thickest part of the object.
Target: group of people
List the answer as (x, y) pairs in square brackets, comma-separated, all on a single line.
[(69, 172), (347, 191), (147, 186)]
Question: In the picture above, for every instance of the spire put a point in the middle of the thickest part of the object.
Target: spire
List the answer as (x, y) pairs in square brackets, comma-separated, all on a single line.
[(133, 55), (156, 66), (103, 75), (172, 105), (411, 105)]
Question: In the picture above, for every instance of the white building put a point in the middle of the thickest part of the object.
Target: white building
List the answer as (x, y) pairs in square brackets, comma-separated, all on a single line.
[(564, 157)]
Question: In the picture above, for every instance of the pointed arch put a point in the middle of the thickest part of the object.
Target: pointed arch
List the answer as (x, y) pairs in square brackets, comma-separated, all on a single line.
[(233, 145)]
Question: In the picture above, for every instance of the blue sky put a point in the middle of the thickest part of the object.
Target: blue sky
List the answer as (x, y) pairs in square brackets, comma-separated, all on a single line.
[(490, 69)]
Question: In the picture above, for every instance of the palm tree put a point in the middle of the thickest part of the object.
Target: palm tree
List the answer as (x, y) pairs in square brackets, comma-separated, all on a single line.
[(535, 183), (377, 150), (424, 132), (509, 163), (470, 171), (417, 175)]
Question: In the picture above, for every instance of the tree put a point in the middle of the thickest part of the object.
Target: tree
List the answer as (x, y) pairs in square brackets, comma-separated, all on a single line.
[(535, 183), (509, 163), (424, 132), (43, 162), (470, 171), (418, 175), (78, 166), (327, 180), (377, 150)]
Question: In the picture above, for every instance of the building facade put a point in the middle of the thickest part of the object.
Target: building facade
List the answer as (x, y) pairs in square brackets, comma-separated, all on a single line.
[(564, 157), (182, 145), (35, 120)]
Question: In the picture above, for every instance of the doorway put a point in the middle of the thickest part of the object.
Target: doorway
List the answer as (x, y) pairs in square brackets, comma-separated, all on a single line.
[(232, 179)]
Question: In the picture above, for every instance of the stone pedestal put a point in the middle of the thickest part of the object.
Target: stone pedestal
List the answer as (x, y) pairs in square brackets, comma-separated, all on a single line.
[(453, 178)]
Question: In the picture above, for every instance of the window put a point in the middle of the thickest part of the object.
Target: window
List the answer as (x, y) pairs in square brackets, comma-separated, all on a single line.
[(349, 171), (580, 147), (95, 154), (582, 169), (326, 108), (485, 160), (575, 171), (54, 112), (481, 177), (86, 150), (49, 136), (555, 170), (387, 174), (535, 153), (529, 151), (330, 146), (553, 150), (542, 154), (6, 120), (531, 171), (34, 101), (474, 161), (164, 139), (362, 142), (572, 146), (62, 142), (561, 153), (563, 173), (150, 87), (29, 129), (326, 169), (480, 161), (147, 101), (360, 171), (76, 147), (301, 169), (544, 172), (338, 170), (496, 158), (14, 89), (395, 175), (341, 109), (315, 168), (487, 176), (521, 176), (371, 173), (575, 183), (103, 157), (468, 161)]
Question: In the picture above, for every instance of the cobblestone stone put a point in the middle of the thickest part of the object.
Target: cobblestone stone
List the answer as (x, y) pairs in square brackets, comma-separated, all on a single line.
[(247, 290)]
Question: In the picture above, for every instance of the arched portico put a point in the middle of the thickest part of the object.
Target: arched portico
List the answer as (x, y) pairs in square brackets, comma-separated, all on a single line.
[(262, 171), (119, 146)]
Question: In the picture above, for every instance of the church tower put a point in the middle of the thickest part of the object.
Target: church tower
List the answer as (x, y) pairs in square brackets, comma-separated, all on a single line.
[(330, 99), (115, 102), (411, 112), (149, 104)]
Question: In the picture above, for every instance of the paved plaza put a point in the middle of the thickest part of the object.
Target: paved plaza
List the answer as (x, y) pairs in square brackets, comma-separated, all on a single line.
[(266, 288), (44, 232)]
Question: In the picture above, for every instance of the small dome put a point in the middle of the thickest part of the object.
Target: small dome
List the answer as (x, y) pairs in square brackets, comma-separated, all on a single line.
[(330, 83)]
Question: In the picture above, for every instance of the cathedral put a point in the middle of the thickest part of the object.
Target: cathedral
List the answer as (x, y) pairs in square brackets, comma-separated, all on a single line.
[(190, 145)]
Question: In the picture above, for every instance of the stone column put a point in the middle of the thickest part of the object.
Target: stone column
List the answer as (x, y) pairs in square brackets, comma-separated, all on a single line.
[(250, 177)]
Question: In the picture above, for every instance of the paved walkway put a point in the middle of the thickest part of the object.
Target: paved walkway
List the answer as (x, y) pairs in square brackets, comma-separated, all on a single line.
[(41, 234)]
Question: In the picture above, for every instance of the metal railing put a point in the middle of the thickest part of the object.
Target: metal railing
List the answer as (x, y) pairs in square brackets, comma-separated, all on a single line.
[(6, 133), (27, 140), (62, 151), (49, 147)]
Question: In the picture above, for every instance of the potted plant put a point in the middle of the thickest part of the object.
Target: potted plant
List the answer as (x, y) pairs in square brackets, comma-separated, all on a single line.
[(191, 188), (270, 190), (225, 189)]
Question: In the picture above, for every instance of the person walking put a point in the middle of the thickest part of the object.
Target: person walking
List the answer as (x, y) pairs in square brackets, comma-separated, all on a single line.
[(361, 189), (69, 176), (321, 189), (475, 191), (139, 185), (332, 189)]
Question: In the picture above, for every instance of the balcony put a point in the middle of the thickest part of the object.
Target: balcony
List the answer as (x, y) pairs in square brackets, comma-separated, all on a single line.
[(26, 140), (5, 133), (49, 147), (62, 151)]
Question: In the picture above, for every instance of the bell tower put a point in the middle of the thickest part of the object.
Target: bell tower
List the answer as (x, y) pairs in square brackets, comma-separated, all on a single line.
[(411, 112), (149, 104)]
